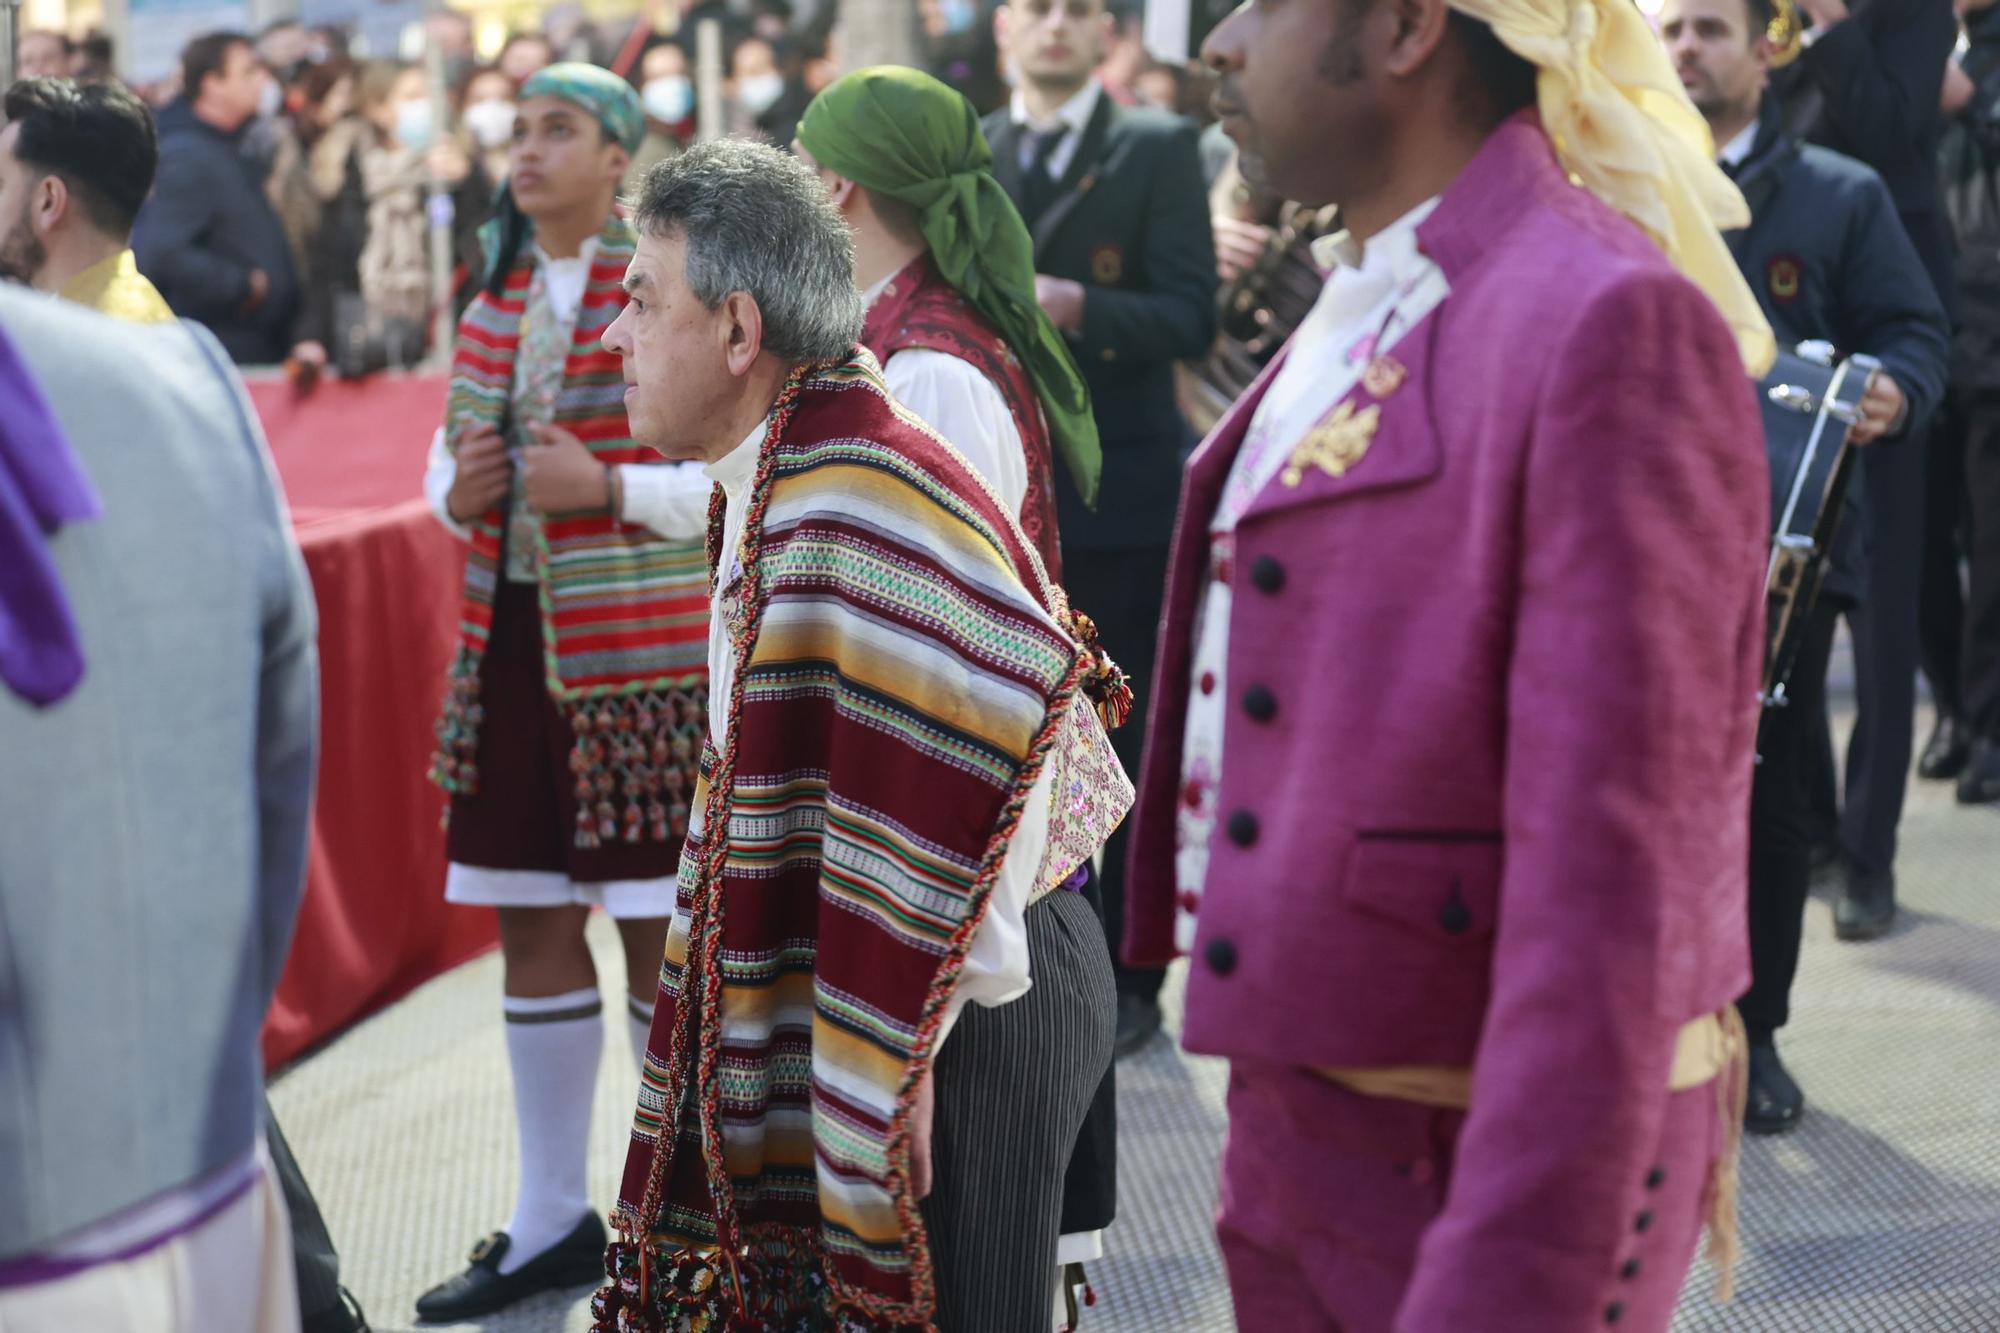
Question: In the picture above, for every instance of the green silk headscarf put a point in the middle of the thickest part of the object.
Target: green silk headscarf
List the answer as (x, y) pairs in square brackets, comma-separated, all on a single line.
[(899, 132)]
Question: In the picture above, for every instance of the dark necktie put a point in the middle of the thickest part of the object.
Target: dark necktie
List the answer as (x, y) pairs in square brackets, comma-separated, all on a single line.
[(1038, 185)]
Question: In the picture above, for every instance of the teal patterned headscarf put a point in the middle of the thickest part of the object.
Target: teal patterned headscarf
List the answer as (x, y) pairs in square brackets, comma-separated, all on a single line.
[(598, 91), (606, 97)]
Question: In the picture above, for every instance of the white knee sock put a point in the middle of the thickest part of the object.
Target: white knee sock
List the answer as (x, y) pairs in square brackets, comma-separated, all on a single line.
[(553, 1045), (639, 1022)]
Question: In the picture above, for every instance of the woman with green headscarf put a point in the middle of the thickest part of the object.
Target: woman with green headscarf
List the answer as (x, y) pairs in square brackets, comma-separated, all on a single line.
[(948, 269)]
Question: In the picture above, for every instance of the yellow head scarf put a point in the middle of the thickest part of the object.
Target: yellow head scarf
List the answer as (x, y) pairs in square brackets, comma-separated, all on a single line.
[(1624, 128)]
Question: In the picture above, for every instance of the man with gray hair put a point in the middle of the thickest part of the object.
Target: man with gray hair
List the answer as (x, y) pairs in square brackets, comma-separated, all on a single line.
[(875, 841)]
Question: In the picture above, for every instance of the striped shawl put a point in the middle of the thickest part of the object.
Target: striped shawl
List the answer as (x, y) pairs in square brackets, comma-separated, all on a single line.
[(624, 612), (901, 688)]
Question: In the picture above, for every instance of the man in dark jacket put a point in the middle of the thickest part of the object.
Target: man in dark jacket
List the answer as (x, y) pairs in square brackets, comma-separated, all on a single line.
[(1828, 261), (1967, 461), (1867, 85), (209, 238), (1126, 268)]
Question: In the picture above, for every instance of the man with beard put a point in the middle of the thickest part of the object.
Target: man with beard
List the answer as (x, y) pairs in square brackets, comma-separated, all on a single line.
[(1457, 689), (1829, 262), (76, 162)]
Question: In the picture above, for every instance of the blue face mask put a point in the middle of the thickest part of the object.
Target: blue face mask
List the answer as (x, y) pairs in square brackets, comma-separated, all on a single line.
[(669, 99), (413, 125), (958, 15)]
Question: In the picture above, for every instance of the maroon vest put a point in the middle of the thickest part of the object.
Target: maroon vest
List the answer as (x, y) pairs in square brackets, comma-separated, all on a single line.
[(920, 309)]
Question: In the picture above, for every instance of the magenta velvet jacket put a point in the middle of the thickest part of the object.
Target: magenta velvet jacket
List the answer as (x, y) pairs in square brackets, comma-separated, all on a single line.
[(1498, 815)]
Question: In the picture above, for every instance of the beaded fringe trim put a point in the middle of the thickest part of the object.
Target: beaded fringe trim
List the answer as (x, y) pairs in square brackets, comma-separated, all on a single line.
[(633, 760)]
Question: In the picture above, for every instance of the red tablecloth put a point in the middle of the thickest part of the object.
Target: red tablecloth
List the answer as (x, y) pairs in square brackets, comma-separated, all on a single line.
[(374, 924)]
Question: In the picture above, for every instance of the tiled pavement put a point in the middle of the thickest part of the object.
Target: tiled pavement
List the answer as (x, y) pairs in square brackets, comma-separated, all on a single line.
[(1881, 1214)]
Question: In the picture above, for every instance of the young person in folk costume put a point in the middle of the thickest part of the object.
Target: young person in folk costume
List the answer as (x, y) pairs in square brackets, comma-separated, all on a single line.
[(577, 700), (947, 272), (906, 767), (1458, 685)]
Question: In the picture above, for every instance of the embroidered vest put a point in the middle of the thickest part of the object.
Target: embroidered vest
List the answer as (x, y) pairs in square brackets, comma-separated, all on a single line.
[(919, 309)]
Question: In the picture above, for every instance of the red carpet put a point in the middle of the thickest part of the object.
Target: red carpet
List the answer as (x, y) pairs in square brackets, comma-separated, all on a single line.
[(386, 577)]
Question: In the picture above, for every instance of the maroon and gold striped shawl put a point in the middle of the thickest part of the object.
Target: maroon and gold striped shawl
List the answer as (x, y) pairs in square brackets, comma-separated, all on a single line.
[(903, 678)]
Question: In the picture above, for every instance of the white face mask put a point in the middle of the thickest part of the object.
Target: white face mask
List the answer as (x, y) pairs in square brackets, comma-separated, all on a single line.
[(759, 92), (413, 125), (668, 98), (491, 123)]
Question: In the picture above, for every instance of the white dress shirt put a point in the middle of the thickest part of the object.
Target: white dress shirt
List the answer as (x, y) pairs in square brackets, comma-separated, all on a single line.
[(1372, 297), (1073, 115), (670, 499), (963, 406), (996, 963), (1738, 149)]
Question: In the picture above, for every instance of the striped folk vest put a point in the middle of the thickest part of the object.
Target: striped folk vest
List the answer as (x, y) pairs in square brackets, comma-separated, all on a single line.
[(624, 612)]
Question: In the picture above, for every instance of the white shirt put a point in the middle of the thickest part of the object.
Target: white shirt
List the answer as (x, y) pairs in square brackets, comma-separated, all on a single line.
[(670, 499), (1073, 115), (963, 406), (1737, 149), (1370, 300), (996, 963)]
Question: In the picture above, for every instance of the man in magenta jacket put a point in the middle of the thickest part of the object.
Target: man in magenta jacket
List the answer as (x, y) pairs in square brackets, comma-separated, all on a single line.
[(1446, 788)]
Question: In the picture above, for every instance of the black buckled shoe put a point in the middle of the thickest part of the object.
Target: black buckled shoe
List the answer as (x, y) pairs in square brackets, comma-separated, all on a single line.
[(1946, 751), (1979, 781), (1866, 908), (574, 1261), (1775, 1102)]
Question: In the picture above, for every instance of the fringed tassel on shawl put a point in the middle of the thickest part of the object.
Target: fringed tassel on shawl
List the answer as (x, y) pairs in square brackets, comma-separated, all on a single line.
[(1074, 1280), (1732, 1091), (455, 766), (1104, 682), (634, 761), (781, 1290)]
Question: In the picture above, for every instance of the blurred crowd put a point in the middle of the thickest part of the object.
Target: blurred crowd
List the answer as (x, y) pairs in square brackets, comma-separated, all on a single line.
[(330, 165)]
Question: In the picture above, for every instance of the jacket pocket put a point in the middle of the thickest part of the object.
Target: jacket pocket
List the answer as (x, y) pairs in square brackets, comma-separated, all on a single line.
[(1443, 885), (1418, 913)]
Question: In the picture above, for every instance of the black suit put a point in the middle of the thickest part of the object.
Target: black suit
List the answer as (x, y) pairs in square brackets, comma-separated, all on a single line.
[(1869, 87), (1128, 220), (1849, 277), (1971, 428)]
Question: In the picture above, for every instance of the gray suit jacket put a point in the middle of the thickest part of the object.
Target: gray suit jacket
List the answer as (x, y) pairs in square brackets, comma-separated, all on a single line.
[(153, 824)]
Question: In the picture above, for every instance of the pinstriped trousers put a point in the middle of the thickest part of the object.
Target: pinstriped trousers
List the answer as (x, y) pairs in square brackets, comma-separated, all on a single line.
[(1013, 1085)]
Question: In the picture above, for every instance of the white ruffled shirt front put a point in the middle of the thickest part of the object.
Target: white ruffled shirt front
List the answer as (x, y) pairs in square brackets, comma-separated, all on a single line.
[(1372, 297)]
